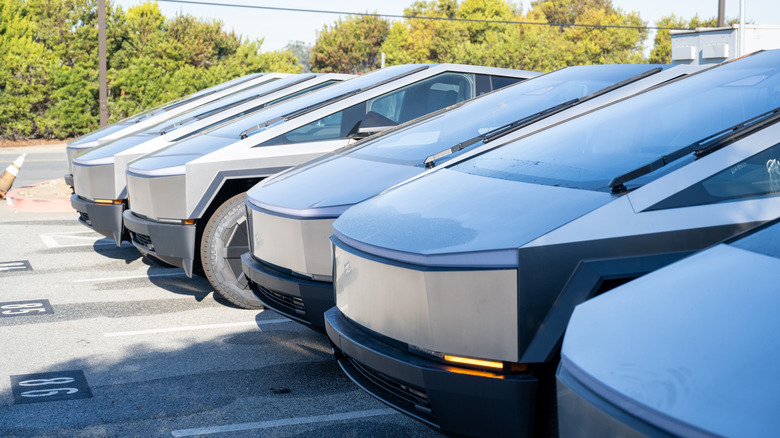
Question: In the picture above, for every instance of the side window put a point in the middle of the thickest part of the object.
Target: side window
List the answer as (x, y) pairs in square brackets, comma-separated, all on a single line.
[(754, 177), (503, 81), (399, 106), (430, 95)]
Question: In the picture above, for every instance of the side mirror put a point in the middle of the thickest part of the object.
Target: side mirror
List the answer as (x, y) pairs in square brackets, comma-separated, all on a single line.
[(373, 123)]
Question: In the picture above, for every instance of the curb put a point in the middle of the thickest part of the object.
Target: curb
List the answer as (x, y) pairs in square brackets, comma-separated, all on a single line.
[(47, 205)]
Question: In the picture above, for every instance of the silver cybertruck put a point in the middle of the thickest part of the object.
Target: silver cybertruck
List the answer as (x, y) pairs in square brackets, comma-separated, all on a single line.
[(157, 114), (688, 350), (290, 264), (100, 192), (187, 200), (453, 290)]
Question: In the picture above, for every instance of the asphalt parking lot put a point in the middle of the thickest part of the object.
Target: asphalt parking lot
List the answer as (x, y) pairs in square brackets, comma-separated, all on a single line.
[(97, 341)]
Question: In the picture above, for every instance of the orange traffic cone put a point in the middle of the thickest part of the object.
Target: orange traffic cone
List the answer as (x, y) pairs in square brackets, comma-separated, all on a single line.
[(8, 177)]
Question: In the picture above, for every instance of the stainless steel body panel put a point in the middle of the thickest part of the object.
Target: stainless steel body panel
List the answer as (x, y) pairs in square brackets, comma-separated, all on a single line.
[(281, 241), (427, 304), (96, 182), (242, 156), (163, 196), (322, 189)]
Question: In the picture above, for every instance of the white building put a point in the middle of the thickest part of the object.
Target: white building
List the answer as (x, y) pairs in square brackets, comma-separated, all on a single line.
[(714, 45)]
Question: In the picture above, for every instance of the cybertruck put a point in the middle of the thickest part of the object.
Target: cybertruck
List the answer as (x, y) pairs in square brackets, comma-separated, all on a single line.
[(100, 192), (187, 200), (688, 350), (157, 114), (453, 291), (290, 264)]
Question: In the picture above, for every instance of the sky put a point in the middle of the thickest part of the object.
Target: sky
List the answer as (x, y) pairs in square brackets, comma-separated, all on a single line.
[(278, 28)]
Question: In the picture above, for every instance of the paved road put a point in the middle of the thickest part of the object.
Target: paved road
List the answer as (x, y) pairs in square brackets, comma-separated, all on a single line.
[(129, 348), (42, 163)]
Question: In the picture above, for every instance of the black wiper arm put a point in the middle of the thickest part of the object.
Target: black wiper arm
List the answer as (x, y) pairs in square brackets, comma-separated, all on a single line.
[(700, 148), (487, 137), (245, 133), (430, 161), (207, 114), (525, 121)]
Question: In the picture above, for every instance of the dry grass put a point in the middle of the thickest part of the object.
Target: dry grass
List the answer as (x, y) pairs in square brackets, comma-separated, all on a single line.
[(23, 143)]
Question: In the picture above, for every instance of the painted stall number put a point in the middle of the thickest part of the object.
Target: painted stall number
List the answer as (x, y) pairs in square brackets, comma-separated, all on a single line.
[(15, 266), (62, 385), (18, 308)]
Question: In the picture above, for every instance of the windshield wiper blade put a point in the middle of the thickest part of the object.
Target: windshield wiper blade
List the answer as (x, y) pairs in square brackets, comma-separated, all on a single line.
[(491, 135), (525, 121), (207, 114), (245, 133), (700, 148)]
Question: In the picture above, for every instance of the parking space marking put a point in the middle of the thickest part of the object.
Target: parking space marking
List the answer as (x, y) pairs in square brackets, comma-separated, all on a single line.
[(283, 422), (52, 386), (195, 327), (55, 240), (25, 308), (18, 265), (128, 277)]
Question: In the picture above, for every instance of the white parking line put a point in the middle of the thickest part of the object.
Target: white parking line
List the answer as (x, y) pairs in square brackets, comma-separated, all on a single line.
[(284, 422), (13, 266), (50, 239), (128, 277), (195, 327)]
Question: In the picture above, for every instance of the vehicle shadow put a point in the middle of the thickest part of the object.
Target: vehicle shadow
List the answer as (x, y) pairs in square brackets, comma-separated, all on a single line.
[(272, 379)]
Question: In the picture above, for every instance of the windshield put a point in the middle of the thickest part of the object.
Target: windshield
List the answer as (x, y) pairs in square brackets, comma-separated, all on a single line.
[(587, 152), (197, 95), (412, 144), (252, 93), (234, 129), (135, 118)]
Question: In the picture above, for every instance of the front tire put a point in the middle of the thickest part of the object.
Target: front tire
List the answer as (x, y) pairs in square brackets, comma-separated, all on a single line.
[(225, 238)]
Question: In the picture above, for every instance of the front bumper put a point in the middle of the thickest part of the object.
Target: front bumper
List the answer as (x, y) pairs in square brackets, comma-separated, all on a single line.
[(69, 180), (106, 219), (454, 400), (171, 243), (301, 300)]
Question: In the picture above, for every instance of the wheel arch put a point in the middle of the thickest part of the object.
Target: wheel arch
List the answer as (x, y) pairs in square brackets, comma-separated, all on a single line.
[(224, 187)]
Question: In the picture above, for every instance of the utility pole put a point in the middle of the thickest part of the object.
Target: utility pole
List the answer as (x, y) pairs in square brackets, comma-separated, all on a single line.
[(102, 79), (721, 13)]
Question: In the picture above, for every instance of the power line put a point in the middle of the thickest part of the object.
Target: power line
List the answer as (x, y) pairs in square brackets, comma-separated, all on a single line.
[(417, 17)]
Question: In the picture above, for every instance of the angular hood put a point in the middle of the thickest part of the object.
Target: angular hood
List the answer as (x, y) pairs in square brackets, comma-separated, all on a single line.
[(179, 154), (104, 154), (448, 218), (332, 185), (91, 140), (327, 189)]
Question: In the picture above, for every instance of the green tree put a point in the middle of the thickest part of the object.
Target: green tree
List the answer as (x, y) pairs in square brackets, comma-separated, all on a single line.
[(302, 52), (48, 63), (421, 40), (535, 47), (24, 71), (350, 45)]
